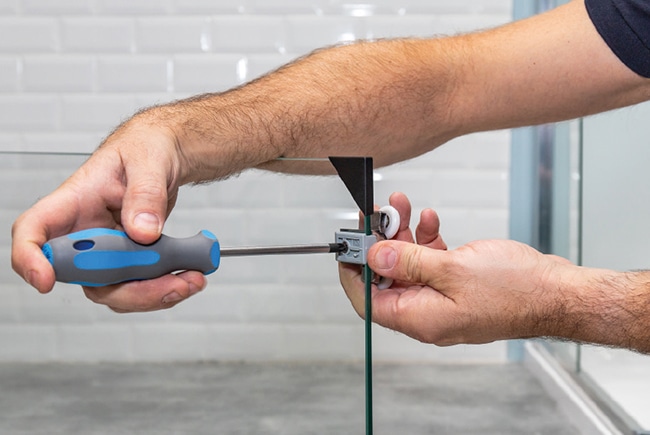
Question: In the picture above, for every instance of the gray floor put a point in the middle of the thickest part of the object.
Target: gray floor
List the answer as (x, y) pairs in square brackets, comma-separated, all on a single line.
[(272, 398)]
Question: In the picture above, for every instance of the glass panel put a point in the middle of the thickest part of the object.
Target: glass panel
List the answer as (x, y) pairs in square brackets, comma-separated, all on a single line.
[(591, 209), (41, 174), (545, 186), (563, 197), (615, 235)]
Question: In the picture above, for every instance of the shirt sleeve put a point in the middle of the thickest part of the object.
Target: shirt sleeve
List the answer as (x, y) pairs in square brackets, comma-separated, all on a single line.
[(625, 27)]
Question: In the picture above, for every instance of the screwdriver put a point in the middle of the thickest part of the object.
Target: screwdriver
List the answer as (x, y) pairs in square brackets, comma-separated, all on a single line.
[(100, 256)]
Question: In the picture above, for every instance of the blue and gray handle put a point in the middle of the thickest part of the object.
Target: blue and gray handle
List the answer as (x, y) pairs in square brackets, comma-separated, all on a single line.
[(100, 256)]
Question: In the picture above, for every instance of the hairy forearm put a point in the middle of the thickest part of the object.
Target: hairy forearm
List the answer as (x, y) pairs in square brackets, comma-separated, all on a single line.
[(396, 99), (387, 99), (605, 307)]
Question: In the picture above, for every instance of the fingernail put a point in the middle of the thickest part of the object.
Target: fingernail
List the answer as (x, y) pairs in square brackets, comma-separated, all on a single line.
[(385, 258), (148, 222), (171, 297), (194, 289)]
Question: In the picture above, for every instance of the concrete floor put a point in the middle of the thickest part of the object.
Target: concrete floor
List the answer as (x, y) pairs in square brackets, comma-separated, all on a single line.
[(273, 398)]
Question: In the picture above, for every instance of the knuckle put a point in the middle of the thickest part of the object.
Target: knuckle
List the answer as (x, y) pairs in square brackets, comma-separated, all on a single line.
[(413, 264), (118, 310), (15, 226), (91, 295), (440, 337), (149, 189)]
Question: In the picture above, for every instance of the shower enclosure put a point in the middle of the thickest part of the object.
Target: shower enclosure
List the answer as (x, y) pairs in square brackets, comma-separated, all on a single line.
[(592, 206), (580, 190)]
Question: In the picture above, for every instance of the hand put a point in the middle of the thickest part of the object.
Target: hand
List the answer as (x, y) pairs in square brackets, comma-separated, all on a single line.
[(426, 234), (130, 182), (478, 293)]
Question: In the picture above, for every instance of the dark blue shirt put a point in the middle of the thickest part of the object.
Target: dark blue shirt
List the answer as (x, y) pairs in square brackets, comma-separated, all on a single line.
[(625, 27)]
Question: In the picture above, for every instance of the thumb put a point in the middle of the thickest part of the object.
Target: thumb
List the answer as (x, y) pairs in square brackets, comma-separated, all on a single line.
[(407, 262), (144, 205)]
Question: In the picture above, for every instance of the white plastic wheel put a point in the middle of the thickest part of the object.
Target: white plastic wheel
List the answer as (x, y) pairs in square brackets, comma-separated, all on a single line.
[(384, 283), (390, 221)]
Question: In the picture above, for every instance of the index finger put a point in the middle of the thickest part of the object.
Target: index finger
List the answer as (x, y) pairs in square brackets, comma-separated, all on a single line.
[(30, 231), (54, 215)]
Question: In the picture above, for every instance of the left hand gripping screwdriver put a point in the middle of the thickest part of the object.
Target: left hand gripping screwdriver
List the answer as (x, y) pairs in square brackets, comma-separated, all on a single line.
[(100, 256)]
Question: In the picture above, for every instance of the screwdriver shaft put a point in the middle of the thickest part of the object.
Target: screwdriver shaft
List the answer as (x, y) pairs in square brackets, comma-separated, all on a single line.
[(323, 248)]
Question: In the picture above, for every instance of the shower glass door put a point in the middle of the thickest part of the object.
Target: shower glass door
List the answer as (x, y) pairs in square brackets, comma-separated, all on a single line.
[(615, 234), (581, 190)]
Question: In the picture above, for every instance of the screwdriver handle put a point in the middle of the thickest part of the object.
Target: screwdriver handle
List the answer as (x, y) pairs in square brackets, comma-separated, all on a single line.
[(99, 256)]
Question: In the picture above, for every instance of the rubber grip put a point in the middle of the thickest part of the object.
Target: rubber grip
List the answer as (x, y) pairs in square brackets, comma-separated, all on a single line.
[(99, 257)]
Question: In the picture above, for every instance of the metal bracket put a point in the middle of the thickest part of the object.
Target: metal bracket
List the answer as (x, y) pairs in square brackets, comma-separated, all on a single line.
[(357, 244)]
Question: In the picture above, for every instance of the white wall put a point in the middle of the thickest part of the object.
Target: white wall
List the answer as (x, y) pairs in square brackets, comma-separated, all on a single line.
[(71, 70)]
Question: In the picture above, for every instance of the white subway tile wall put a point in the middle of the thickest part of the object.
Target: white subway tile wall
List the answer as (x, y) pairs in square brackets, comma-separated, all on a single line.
[(71, 70)]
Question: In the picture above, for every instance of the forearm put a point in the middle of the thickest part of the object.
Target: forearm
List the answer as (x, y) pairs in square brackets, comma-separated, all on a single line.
[(396, 99), (606, 307), (387, 99)]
